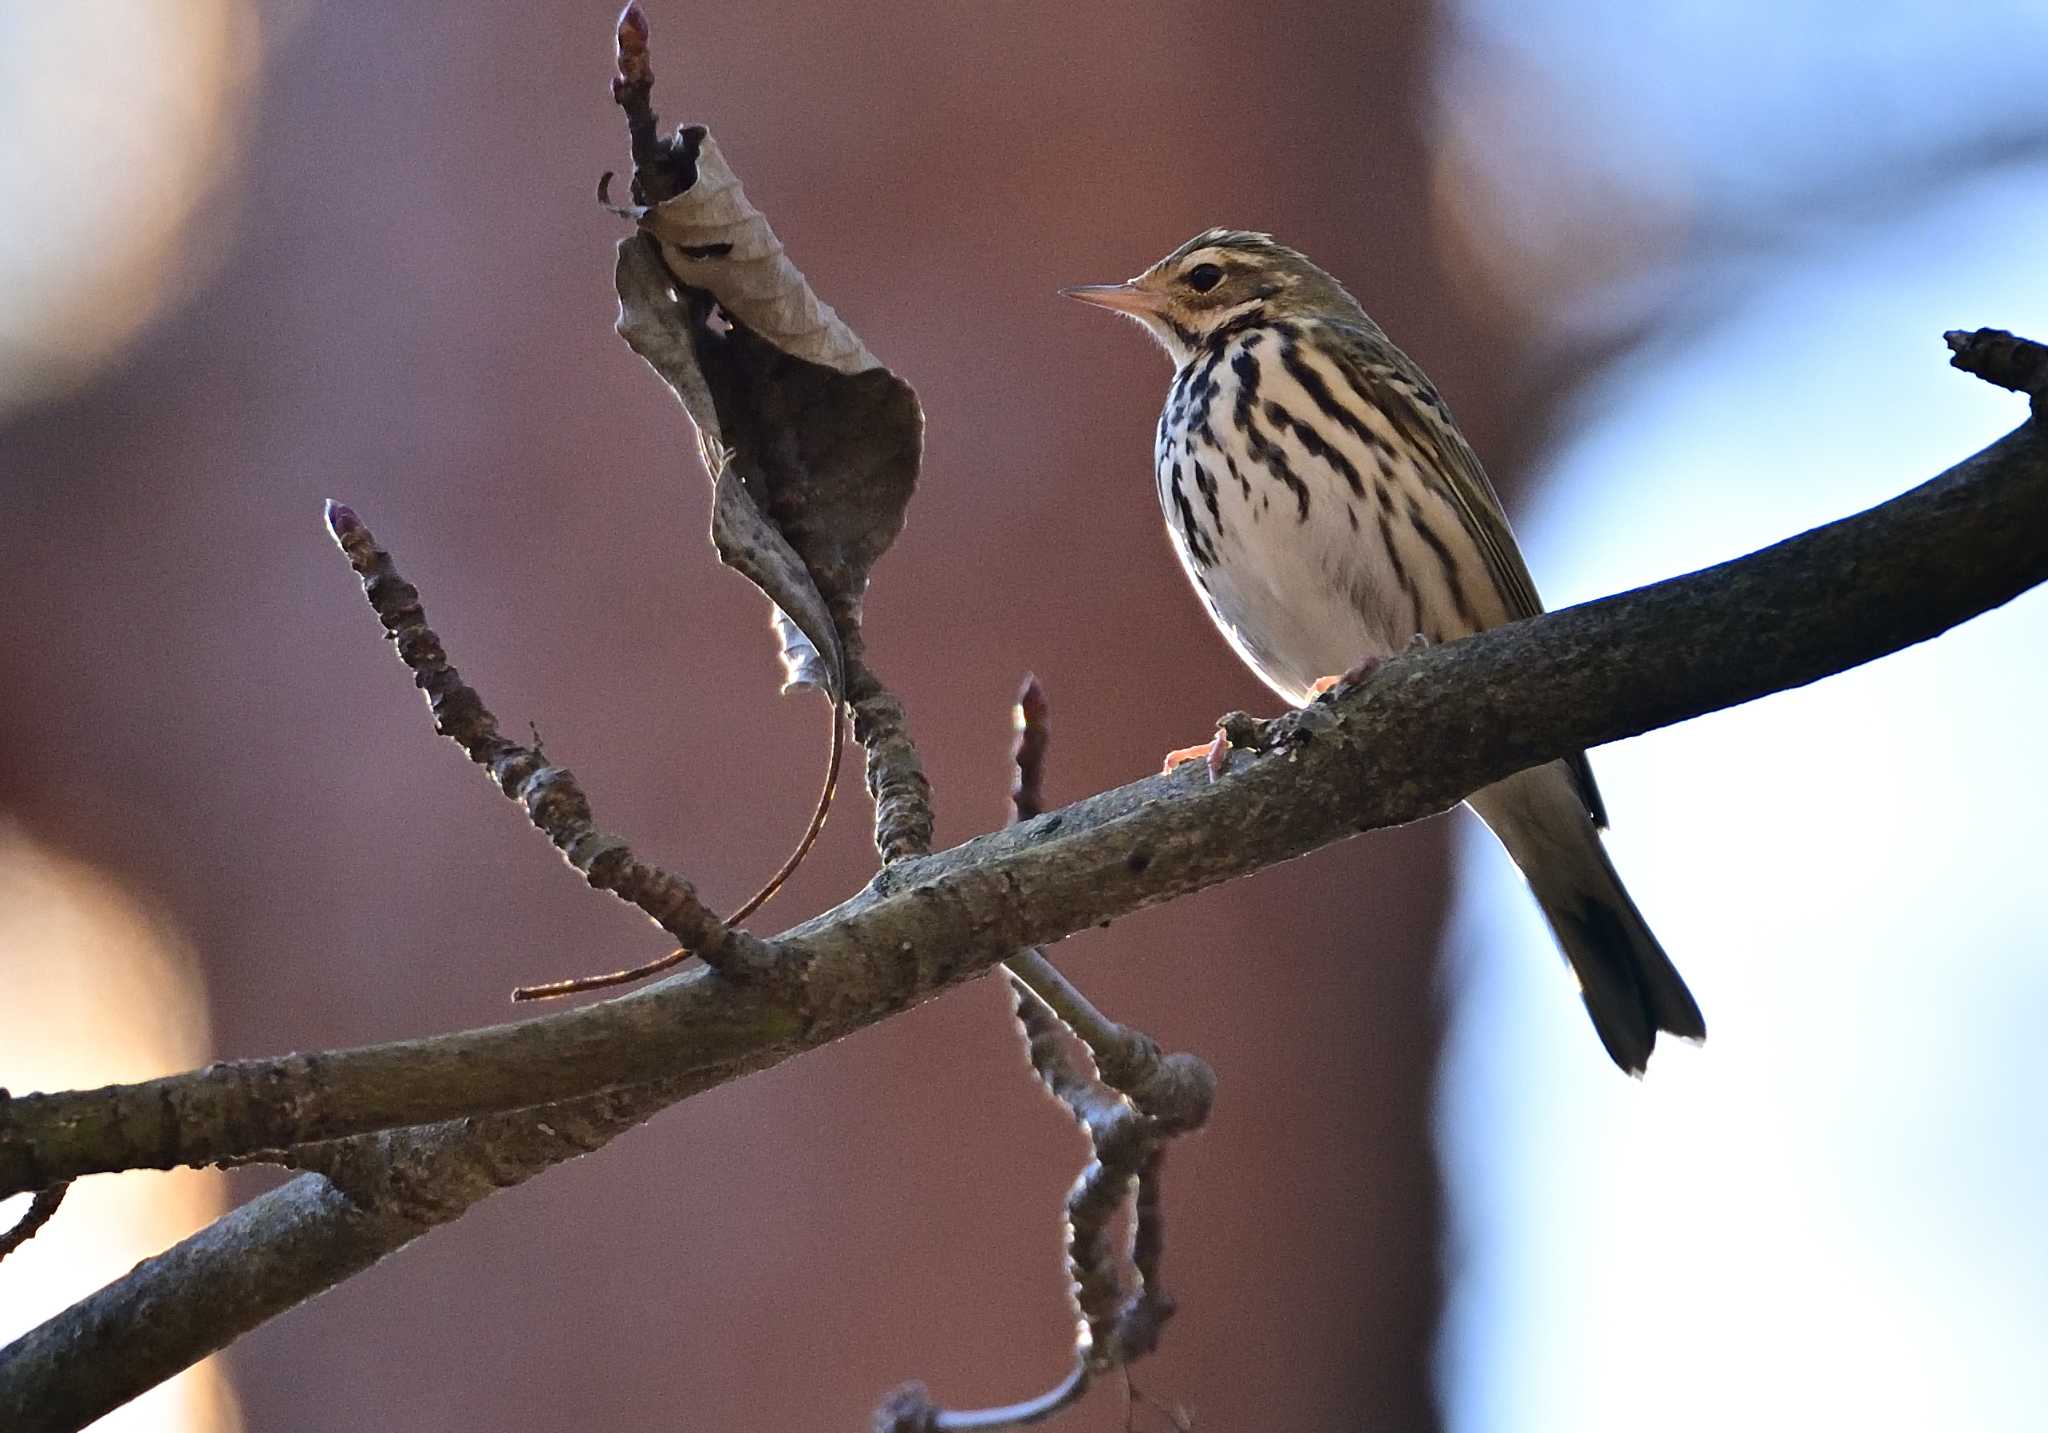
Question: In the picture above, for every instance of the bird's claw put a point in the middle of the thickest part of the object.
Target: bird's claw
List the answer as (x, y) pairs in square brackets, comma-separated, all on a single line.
[(1234, 732), (1365, 667)]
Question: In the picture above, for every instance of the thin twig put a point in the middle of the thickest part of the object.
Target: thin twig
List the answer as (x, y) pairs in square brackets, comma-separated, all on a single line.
[(895, 773), (578, 985), (552, 799), (41, 1208), (1128, 1060), (1119, 1304), (1029, 720), (662, 167)]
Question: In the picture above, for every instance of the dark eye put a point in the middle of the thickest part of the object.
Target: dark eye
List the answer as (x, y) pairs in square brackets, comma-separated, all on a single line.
[(1204, 277)]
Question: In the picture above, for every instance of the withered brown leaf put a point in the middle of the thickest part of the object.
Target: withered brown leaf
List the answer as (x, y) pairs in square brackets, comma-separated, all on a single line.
[(813, 445)]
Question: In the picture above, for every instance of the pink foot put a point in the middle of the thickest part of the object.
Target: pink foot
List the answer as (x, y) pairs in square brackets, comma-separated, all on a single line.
[(1216, 754), (1366, 667)]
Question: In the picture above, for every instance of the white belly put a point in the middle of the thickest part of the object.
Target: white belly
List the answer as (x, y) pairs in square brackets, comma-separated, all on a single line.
[(1300, 597)]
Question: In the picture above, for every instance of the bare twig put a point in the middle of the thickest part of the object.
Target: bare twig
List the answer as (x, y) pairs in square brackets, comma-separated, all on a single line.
[(1128, 1060), (1120, 1307), (895, 774), (553, 800), (1029, 719), (42, 1207), (582, 984), (662, 167)]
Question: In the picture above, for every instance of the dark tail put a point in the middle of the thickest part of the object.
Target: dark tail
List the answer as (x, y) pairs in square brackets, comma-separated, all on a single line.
[(1631, 988)]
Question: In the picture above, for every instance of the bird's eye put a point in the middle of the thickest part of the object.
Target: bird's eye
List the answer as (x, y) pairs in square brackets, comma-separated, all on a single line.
[(1204, 277)]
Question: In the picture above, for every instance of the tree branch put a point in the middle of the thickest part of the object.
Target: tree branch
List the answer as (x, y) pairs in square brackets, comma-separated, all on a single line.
[(41, 1210), (1119, 1305), (1414, 738)]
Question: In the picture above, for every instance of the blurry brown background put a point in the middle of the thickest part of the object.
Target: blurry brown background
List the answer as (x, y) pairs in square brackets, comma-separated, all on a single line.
[(385, 280), (410, 311)]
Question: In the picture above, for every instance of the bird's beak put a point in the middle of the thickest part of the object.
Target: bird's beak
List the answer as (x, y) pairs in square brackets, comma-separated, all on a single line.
[(1123, 298)]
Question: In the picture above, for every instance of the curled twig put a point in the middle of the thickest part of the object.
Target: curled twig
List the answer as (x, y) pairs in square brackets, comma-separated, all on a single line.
[(42, 1206), (1172, 1088), (553, 800), (1130, 1105)]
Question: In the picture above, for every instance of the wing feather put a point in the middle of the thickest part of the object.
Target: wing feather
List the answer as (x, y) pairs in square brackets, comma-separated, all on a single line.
[(1389, 380)]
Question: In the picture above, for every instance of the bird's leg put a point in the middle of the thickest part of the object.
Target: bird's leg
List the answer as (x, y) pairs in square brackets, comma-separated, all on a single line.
[(1365, 667), (1235, 731)]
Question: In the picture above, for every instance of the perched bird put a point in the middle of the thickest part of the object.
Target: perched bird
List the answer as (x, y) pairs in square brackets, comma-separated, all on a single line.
[(1330, 513)]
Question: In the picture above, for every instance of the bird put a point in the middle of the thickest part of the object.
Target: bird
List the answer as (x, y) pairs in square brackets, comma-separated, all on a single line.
[(1330, 515)]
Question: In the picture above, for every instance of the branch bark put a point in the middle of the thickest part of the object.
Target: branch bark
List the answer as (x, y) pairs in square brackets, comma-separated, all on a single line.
[(1412, 739)]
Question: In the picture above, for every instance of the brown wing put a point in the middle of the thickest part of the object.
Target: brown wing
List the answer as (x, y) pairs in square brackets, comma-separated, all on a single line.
[(1389, 379)]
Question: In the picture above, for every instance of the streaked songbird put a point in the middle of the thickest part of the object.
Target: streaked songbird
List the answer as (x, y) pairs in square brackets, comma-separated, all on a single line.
[(1330, 513)]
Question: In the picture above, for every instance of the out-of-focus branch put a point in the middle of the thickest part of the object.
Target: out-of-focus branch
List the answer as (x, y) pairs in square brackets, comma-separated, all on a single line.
[(1414, 738), (41, 1209), (367, 1197)]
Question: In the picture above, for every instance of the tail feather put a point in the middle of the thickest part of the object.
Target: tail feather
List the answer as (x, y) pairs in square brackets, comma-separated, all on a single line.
[(1631, 988)]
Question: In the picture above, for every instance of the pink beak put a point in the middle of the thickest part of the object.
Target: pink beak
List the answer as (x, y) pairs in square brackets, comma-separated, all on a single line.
[(1123, 298)]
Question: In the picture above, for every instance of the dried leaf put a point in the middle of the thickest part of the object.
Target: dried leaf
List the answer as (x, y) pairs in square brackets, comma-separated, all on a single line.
[(821, 443), (714, 239)]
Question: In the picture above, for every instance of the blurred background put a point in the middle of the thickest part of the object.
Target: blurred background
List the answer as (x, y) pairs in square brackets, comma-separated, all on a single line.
[(1683, 272)]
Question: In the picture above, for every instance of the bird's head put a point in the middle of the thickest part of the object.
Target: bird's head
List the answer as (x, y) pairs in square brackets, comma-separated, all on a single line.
[(1222, 278)]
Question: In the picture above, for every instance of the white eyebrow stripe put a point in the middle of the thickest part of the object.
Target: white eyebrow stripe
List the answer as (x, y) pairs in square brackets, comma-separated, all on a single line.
[(1210, 255)]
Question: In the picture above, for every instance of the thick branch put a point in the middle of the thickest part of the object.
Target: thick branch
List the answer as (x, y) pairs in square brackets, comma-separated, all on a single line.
[(1417, 736)]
